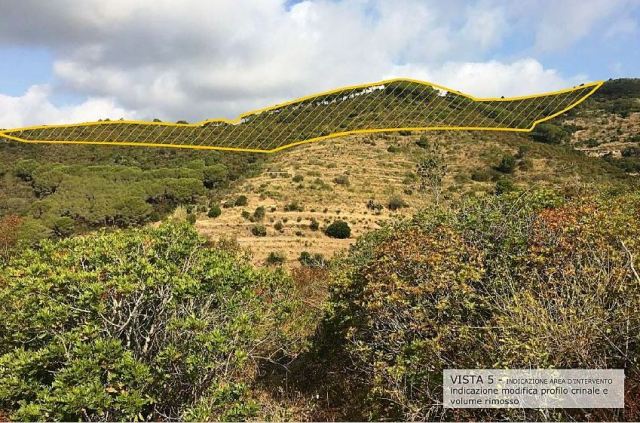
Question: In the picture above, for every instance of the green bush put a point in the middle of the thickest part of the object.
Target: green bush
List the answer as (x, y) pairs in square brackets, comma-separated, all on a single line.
[(214, 211), (215, 175), (504, 185), (298, 178), (338, 229), (423, 142), (241, 201), (138, 325), (550, 134), (63, 226), (278, 226), (259, 213), (507, 164), (276, 258), (314, 225), (396, 203), (259, 230)]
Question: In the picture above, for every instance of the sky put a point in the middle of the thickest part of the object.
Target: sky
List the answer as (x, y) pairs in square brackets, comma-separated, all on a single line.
[(67, 61)]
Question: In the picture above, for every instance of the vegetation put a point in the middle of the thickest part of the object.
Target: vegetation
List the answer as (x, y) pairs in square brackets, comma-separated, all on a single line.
[(550, 133), (515, 266), (276, 258), (396, 202), (74, 189), (146, 324), (259, 230), (526, 270), (214, 211), (312, 260), (338, 229)]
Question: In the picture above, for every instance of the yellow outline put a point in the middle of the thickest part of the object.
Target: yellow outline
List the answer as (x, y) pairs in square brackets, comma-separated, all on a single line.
[(596, 85)]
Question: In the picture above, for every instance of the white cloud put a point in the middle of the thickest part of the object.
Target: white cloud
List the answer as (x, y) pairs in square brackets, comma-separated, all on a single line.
[(35, 107), (199, 59)]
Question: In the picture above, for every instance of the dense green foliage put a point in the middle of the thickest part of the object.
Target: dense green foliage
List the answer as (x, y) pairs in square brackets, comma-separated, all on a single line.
[(516, 281), (338, 229), (550, 133), (70, 189), (144, 324)]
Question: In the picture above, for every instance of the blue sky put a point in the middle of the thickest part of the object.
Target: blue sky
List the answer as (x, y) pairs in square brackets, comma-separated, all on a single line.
[(197, 59)]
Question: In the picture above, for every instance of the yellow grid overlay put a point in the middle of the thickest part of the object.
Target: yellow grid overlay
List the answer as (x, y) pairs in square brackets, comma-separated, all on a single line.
[(392, 105)]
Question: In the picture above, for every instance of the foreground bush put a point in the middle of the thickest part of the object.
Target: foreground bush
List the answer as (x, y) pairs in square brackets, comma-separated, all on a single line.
[(515, 281), (138, 325)]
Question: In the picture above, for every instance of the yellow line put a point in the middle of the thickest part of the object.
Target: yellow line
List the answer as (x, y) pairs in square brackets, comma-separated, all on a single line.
[(595, 86)]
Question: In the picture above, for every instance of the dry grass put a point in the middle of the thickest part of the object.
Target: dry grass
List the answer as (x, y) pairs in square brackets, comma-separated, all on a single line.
[(374, 173)]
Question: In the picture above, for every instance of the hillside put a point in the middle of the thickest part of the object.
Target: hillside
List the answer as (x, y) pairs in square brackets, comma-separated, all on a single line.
[(394, 104), (343, 180), (609, 121)]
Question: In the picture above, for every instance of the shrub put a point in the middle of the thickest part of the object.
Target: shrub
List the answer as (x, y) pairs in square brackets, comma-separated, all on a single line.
[(293, 206), (550, 134), (63, 226), (241, 201), (259, 213), (120, 325), (314, 225), (374, 205), (507, 164), (407, 301), (214, 211), (423, 142), (298, 178), (393, 149), (24, 169), (259, 230), (276, 258), (504, 185), (631, 152), (523, 151), (191, 218), (338, 229), (278, 226), (396, 202)]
